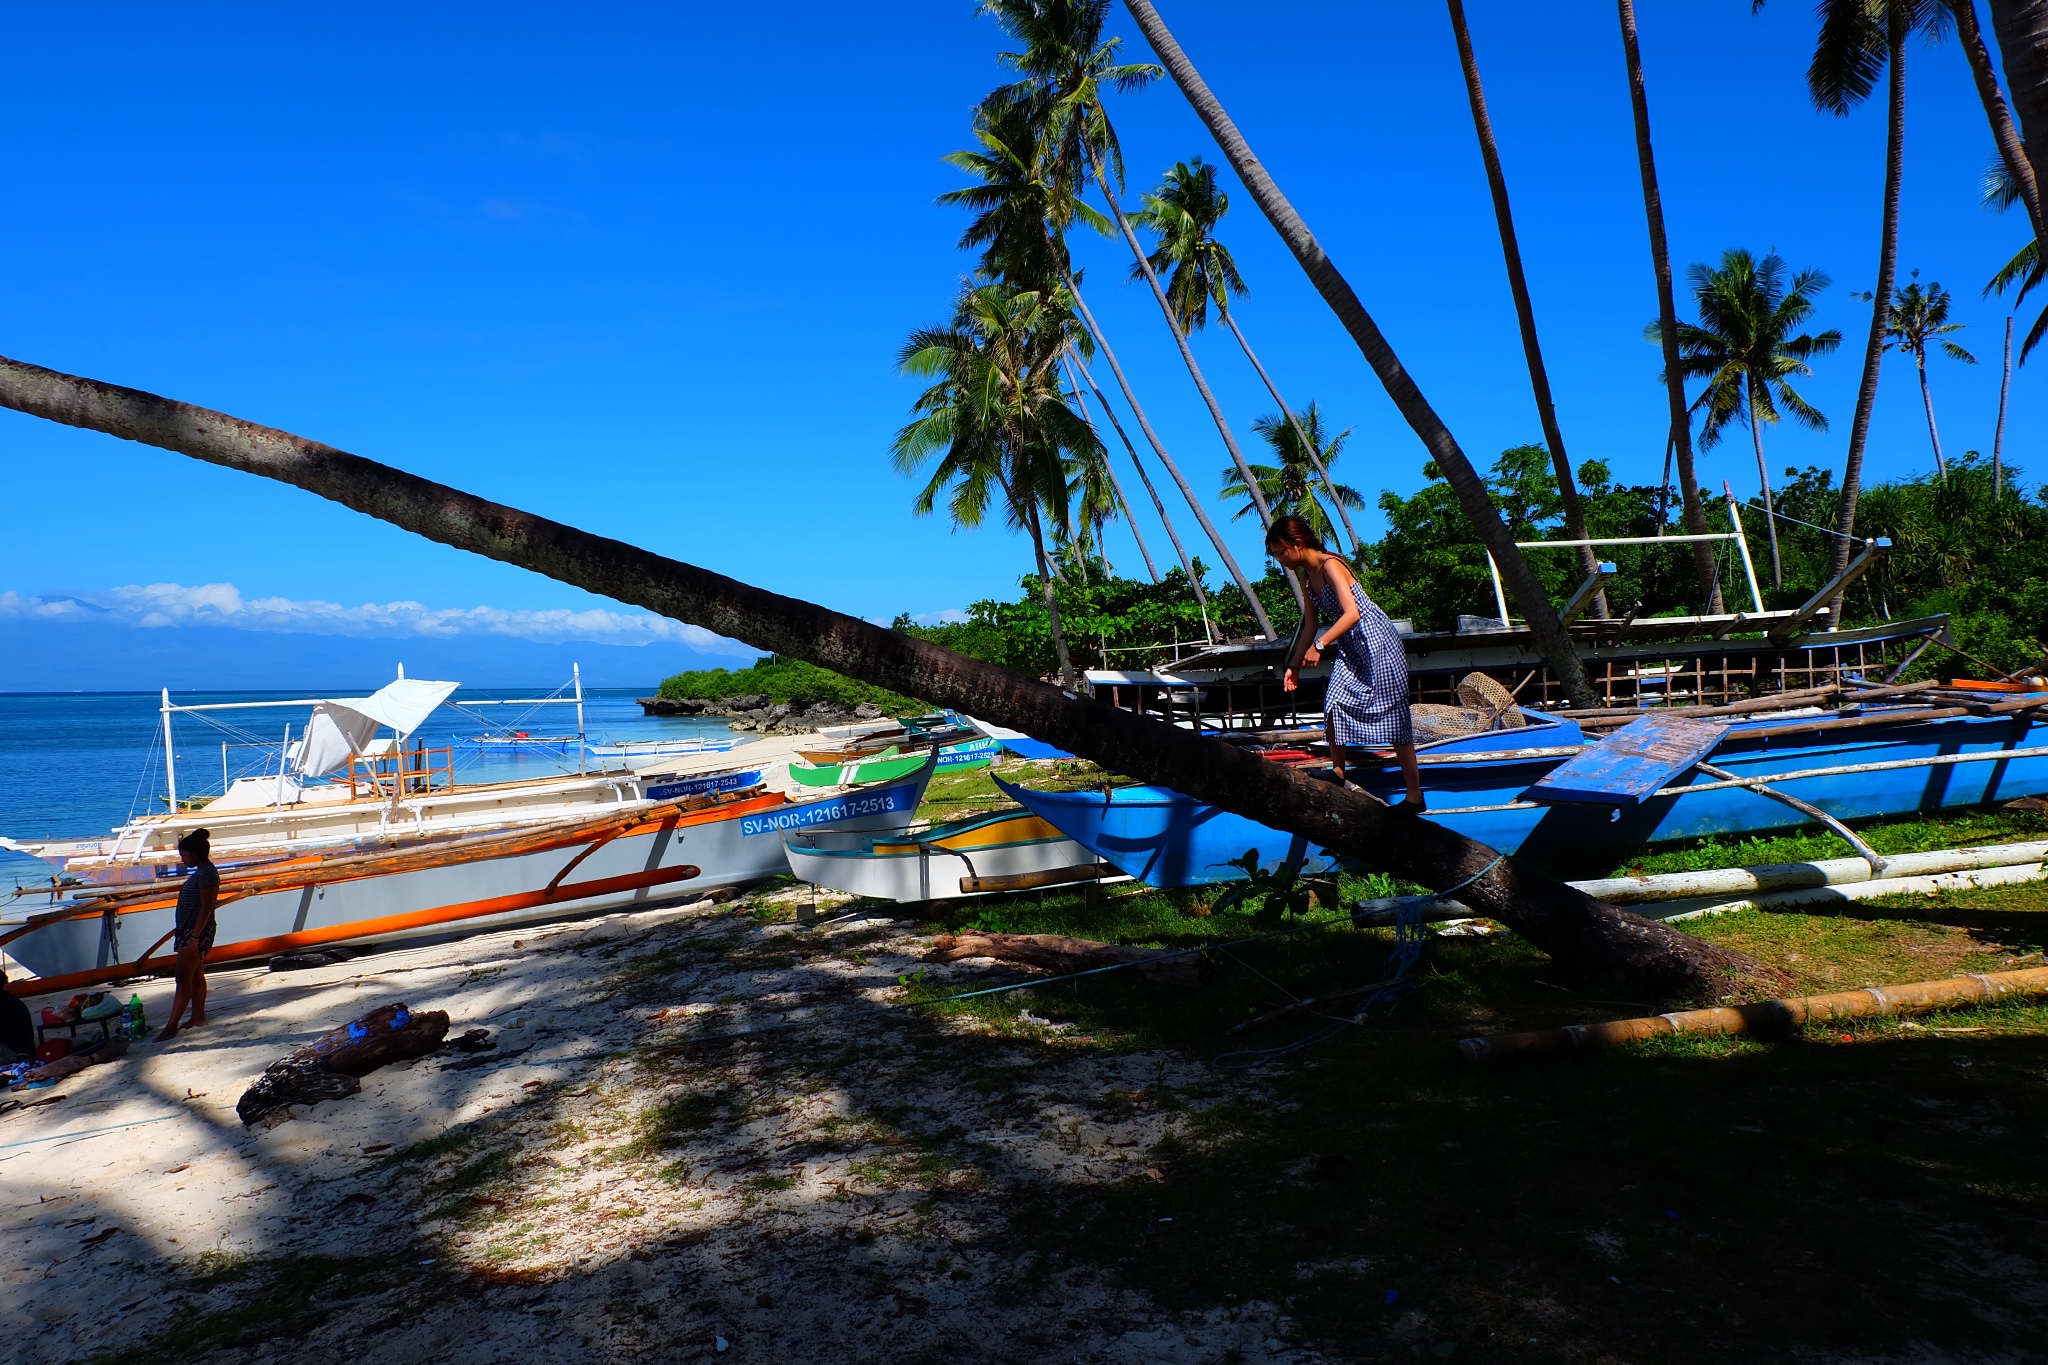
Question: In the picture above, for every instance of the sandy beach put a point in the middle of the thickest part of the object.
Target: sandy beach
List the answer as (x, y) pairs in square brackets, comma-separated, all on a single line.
[(703, 1131)]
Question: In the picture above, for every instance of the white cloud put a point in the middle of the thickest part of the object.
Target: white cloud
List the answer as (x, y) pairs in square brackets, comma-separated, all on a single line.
[(951, 616), (159, 605)]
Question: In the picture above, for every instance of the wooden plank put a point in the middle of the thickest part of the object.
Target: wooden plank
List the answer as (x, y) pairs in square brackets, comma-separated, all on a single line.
[(1631, 763)]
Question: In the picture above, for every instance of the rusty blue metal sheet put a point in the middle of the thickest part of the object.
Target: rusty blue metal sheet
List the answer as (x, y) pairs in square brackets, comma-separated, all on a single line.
[(1631, 763)]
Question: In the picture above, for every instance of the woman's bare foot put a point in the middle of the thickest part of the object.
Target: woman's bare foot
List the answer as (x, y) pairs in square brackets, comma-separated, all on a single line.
[(198, 1021), (168, 1032)]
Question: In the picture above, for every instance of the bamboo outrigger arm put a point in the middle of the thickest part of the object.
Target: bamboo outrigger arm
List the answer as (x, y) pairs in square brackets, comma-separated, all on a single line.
[(1762, 788), (1865, 559)]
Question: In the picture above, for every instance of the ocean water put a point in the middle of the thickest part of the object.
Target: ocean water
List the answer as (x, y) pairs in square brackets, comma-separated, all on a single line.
[(78, 764)]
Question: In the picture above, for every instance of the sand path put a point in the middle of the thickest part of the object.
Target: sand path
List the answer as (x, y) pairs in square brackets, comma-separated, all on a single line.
[(623, 1178)]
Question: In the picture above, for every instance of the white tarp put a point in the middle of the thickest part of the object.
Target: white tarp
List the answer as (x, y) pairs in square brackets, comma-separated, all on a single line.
[(341, 728)]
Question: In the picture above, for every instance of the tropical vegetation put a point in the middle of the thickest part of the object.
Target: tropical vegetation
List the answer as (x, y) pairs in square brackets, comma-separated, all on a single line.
[(1957, 548), (783, 681)]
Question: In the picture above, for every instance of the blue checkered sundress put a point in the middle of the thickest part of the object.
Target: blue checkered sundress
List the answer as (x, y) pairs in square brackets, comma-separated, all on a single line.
[(1367, 702)]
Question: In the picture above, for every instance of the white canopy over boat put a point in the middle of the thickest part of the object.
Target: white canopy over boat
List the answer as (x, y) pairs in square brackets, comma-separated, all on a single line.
[(342, 728)]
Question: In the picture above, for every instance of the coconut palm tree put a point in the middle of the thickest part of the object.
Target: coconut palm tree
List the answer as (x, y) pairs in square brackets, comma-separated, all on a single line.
[(2005, 133), (1182, 214), (1023, 203), (1744, 347), (1551, 638), (1305, 455), (1064, 63), (2021, 27), (1525, 312), (1679, 438), (997, 421), (1919, 318)]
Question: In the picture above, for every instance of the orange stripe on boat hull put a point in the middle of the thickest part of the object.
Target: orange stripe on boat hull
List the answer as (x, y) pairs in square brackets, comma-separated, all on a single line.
[(370, 928)]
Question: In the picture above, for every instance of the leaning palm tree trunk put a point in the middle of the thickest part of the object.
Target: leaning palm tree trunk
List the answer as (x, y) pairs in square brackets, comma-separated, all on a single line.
[(1525, 312), (1763, 474), (1927, 402), (1308, 447), (1667, 317), (1180, 339), (1581, 932), (1116, 484), (2021, 27), (1068, 677), (1551, 638), (1881, 304), (1158, 505), (2011, 150), (1244, 586), (1998, 432), (1187, 356)]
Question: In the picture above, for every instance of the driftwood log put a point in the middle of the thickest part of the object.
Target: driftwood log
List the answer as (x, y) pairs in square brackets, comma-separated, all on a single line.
[(1056, 953), (327, 1067)]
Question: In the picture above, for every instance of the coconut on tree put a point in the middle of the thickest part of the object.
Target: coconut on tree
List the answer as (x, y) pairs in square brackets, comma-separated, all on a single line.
[(1919, 321), (998, 423), (1746, 349)]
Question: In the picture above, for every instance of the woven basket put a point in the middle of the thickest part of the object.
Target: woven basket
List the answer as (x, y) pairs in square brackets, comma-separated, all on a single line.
[(1481, 693)]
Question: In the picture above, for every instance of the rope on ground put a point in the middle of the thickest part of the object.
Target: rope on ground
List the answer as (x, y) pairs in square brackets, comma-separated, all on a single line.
[(84, 1132), (1411, 936)]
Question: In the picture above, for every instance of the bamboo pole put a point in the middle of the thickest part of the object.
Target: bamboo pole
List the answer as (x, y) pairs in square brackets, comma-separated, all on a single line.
[(1735, 881), (1769, 1017), (1774, 886)]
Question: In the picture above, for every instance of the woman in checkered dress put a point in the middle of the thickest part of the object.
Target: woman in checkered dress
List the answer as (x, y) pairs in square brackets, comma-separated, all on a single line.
[(1367, 702)]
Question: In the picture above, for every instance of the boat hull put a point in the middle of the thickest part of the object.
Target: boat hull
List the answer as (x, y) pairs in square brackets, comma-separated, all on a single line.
[(942, 863), (547, 876), (1167, 839)]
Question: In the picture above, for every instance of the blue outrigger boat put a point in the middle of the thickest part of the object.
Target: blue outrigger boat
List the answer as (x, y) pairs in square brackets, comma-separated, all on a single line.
[(1481, 787)]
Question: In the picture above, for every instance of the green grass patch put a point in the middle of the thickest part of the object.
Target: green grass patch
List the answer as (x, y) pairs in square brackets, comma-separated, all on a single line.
[(454, 1140), (663, 1125), (1961, 830)]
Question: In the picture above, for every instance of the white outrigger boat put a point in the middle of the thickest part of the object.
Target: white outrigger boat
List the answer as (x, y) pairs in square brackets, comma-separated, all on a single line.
[(360, 839), (1007, 851), (354, 773)]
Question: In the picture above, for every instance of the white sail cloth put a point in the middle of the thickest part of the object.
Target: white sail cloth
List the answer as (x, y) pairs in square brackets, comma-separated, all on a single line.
[(342, 728)]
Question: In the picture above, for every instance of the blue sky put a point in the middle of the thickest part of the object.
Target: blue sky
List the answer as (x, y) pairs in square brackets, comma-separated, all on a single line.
[(645, 270)]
